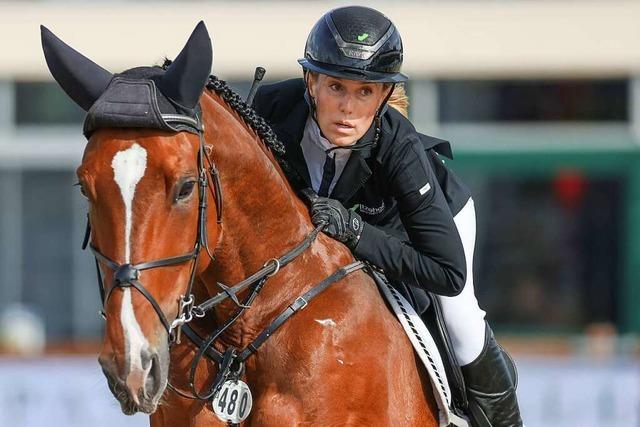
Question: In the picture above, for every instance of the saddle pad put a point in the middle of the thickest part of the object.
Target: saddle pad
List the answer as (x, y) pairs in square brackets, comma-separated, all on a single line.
[(425, 347)]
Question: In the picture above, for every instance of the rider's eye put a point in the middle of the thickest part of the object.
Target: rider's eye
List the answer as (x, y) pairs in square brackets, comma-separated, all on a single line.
[(185, 190)]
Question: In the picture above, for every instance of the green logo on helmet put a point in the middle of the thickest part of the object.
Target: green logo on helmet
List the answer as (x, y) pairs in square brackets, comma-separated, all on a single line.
[(362, 37)]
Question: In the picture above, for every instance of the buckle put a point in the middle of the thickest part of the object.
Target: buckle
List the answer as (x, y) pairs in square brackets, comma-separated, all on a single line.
[(299, 304), (277, 264)]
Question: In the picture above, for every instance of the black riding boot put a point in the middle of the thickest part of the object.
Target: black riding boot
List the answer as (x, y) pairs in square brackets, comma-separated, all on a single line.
[(491, 382)]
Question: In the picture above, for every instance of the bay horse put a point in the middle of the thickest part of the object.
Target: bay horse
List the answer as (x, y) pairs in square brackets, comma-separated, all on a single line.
[(342, 359)]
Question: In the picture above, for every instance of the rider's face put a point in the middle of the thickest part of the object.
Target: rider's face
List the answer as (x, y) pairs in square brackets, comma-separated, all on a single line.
[(344, 108)]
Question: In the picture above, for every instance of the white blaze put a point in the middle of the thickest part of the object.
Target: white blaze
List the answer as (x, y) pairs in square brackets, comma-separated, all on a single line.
[(128, 169), (134, 340)]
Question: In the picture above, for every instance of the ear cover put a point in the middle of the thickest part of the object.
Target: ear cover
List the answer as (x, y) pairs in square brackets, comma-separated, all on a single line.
[(82, 79), (186, 77)]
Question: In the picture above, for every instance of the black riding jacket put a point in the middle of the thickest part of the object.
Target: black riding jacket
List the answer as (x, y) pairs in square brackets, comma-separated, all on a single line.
[(397, 186)]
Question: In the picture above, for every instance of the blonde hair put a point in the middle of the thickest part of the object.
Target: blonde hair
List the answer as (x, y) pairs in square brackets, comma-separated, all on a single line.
[(399, 100)]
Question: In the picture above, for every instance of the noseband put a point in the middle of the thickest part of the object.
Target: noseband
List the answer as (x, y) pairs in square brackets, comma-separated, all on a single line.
[(128, 275)]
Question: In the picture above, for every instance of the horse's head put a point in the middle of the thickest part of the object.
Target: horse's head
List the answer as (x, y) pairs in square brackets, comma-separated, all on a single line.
[(142, 174)]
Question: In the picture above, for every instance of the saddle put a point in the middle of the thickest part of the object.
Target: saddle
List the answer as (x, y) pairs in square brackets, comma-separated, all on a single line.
[(430, 339)]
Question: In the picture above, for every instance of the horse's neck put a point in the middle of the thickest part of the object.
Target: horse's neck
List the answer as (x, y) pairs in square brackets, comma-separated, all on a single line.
[(261, 215), (262, 219)]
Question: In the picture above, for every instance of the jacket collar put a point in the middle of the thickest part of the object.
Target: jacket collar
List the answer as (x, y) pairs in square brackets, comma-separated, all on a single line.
[(357, 171), (290, 131)]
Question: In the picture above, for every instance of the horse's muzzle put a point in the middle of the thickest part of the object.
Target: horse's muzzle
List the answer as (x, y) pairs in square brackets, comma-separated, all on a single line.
[(137, 390)]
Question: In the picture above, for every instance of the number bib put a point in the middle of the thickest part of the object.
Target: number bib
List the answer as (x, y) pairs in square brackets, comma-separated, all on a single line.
[(233, 402)]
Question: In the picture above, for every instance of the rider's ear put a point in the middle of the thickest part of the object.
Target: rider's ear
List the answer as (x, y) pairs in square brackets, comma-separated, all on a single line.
[(82, 79), (187, 75), (311, 79)]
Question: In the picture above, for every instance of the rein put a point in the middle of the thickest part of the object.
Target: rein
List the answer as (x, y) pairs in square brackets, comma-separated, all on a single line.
[(231, 362)]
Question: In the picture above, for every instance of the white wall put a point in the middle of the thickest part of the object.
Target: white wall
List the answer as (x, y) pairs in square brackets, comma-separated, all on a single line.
[(72, 392), (442, 38)]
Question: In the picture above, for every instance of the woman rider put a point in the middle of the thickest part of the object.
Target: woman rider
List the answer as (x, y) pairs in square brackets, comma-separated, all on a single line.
[(383, 190)]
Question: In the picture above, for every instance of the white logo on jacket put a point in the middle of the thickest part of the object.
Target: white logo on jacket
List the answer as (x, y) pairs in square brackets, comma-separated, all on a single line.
[(424, 189)]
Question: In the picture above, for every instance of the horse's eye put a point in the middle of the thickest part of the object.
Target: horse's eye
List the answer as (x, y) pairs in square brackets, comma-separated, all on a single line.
[(185, 190)]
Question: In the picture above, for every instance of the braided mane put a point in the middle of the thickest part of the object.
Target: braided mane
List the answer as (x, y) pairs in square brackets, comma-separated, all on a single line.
[(247, 113), (259, 126)]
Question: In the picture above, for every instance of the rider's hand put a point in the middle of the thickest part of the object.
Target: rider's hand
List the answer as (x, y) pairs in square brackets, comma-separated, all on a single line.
[(341, 224)]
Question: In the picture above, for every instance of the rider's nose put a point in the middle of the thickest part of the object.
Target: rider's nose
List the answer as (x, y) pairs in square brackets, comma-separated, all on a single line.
[(346, 104)]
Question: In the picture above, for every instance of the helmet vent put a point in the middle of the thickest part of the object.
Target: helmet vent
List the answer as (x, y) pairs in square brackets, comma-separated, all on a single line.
[(357, 24)]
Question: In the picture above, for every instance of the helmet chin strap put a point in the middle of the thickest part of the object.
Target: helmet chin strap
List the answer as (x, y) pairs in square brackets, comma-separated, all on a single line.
[(310, 99)]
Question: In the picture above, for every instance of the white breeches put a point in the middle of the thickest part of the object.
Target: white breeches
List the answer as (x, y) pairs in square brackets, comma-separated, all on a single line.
[(462, 314)]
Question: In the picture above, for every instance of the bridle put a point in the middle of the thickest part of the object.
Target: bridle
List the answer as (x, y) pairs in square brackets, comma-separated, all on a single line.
[(128, 275)]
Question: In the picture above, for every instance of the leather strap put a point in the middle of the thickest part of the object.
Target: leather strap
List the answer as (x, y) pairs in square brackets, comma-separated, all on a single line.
[(129, 273), (136, 284), (300, 303), (205, 345), (196, 339), (269, 269)]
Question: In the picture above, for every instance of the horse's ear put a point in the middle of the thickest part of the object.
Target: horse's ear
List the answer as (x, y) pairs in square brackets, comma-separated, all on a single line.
[(186, 77), (82, 79)]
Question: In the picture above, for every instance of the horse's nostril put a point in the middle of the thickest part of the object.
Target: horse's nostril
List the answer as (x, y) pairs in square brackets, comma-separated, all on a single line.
[(153, 380), (146, 360)]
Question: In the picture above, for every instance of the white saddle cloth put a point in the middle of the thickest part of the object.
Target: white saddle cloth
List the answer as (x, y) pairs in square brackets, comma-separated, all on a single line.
[(426, 348)]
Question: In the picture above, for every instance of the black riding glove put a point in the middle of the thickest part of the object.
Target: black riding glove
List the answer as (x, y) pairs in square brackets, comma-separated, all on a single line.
[(342, 224)]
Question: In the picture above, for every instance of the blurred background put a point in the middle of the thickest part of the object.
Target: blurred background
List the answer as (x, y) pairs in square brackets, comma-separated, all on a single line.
[(540, 99)]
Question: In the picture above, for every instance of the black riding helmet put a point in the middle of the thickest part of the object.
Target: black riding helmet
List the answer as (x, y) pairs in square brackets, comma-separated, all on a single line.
[(357, 43)]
